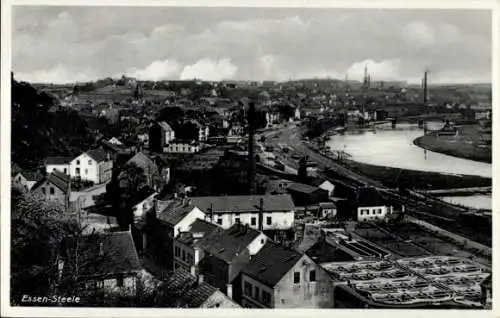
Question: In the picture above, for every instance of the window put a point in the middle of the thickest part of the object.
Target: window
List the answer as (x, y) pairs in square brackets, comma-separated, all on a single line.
[(190, 259), (19, 179), (177, 251), (312, 276), (269, 220), (237, 220), (90, 162), (119, 281), (248, 289), (219, 220), (78, 162), (257, 293), (296, 278), (65, 170), (254, 221), (52, 191), (77, 170), (86, 171), (43, 190), (266, 298)]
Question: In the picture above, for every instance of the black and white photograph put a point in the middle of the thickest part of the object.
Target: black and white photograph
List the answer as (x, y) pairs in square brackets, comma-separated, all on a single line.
[(248, 157)]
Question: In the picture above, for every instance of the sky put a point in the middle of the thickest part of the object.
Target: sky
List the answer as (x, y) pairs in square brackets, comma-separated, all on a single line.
[(77, 44)]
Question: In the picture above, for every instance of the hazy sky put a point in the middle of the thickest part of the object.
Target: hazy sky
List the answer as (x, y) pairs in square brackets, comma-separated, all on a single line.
[(67, 44)]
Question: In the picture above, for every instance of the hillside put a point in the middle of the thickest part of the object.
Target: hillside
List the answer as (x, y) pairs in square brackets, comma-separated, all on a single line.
[(38, 132)]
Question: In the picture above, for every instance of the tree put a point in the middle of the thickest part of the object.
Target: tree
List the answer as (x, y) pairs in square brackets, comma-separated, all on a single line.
[(38, 228)]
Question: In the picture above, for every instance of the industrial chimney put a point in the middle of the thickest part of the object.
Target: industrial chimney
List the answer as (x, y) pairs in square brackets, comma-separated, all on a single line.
[(261, 214), (251, 152)]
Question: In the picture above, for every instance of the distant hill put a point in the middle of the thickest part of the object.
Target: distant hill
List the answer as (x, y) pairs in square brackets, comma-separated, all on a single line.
[(38, 132)]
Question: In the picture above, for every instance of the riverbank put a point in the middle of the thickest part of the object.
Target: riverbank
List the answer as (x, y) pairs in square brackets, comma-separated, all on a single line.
[(464, 145), (394, 177)]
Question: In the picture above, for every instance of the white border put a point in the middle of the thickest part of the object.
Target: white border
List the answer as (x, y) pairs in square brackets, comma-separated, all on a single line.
[(7, 311)]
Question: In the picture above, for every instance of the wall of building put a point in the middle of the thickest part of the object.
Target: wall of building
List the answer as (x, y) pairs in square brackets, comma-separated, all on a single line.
[(189, 256), (89, 169), (306, 294), (44, 191), (144, 206), (279, 220), (255, 246), (219, 300), (372, 213), (20, 182), (61, 168), (252, 300), (105, 171)]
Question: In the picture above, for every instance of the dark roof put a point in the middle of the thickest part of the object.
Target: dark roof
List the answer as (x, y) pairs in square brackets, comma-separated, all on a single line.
[(32, 175), (97, 154), (227, 244), (58, 179), (202, 226), (368, 196), (59, 160), (486, 283), (113, 147), (141, 195), (323, 252), (143, 161), (303, 188), (118, 254), (193, 294), (244, 203), (175, 212), (271, 263)]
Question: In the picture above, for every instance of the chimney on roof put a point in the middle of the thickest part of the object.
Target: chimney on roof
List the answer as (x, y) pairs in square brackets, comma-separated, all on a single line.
[(101, 249), (261, 214), (230, 291)]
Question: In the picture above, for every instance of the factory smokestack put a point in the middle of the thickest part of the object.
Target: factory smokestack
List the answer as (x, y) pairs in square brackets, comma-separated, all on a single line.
[(425, 88), (251, 152)]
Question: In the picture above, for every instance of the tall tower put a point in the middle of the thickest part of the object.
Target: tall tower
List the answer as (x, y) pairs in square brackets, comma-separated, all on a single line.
[(424, 84), (251, 152)]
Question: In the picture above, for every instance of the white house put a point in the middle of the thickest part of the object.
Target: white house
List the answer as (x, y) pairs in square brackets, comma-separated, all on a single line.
[(60, 164), (371, 205), (93, 165), (325, 185), (115, 141), (187, 253), (261, 212), (25, 180), (142, 201)]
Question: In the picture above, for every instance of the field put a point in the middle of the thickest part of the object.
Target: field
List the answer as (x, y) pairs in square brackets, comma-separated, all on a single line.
[(470, 143)]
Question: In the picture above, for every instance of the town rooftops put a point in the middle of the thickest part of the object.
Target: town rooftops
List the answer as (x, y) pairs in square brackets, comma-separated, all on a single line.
[(60, 180), (202, 226), (165, 126), (244, 203), (58, 160), (97, 154), (368, 196), (192, 294), (32, 175), (107, 254), (141, 195), (271, 263), (227, 244), (175, 211), (303, 188)]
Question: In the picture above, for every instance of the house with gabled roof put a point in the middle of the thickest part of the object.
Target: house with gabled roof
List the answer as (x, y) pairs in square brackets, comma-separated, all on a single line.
[(160, 135), (187, 252), (278, 277), (225, 253), (55, 187), (372, 205), (60, 163), (93, 165), (106, 262), (26, 179), (187, 291)]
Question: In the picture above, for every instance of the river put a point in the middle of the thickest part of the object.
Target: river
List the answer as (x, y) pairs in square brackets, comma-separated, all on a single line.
[(384, 146)]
